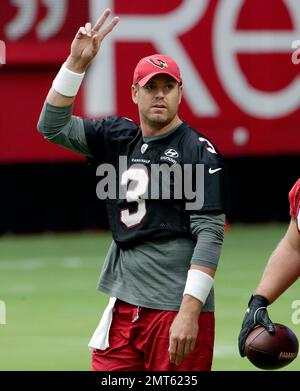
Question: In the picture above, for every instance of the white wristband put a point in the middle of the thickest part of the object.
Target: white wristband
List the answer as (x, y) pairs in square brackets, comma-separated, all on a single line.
[(67, 83), (198, 284)]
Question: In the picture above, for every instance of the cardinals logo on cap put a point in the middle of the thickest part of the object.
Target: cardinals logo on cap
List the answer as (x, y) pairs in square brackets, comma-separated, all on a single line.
[(153, 65), (158, 63)]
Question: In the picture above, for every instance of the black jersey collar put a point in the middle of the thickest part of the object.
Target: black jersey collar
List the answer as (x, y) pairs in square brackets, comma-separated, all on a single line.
[(161, 138)]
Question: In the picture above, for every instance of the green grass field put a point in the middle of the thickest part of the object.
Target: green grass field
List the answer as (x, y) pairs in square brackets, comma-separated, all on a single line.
[(52, 307)]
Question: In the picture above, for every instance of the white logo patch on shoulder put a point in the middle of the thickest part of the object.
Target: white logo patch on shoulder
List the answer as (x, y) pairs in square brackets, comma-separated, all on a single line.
[(144, 148)]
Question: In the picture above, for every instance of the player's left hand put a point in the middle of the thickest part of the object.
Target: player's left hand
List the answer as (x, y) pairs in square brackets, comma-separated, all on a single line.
[(256, 314), (183, 335)]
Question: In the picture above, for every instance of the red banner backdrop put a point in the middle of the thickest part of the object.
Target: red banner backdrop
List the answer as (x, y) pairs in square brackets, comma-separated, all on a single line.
[(241, 88)]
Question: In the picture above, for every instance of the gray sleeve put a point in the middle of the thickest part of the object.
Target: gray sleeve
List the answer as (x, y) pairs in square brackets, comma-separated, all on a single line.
[(209, 230), (58, 125)]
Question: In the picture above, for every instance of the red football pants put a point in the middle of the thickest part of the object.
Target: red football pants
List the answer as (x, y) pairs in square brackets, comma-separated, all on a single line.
[(142, 344)]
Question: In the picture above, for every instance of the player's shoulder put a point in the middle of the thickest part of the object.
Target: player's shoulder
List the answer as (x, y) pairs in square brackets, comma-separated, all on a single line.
[(121, 121), (109, 134), (199, 145), (112, 123)]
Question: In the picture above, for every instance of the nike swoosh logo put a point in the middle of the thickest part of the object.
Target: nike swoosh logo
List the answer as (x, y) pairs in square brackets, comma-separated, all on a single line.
[(211, 171)]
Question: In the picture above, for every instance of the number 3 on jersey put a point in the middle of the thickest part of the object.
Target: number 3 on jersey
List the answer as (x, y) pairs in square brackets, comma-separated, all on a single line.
[(139, 184)]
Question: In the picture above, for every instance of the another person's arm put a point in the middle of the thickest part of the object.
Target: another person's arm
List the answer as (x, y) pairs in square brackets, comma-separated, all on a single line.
[(282, 270), (283, 267)]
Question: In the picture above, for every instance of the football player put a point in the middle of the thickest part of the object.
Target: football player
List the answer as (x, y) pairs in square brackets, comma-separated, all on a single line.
[(159, 270), (282, 270)]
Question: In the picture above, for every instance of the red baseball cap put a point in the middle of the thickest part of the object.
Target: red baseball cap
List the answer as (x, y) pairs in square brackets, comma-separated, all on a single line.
[(153, 65)]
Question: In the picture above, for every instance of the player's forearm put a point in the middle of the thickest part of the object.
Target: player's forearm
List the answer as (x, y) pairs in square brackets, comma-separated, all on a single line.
[(209, 231), (283, 267), (56, 99), (281, 271)]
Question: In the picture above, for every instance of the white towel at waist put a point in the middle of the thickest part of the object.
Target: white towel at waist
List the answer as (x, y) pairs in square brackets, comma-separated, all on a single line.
[(100, 338)]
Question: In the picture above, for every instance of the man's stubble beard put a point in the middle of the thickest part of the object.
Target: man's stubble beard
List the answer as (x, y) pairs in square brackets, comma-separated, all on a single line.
[(158, 123)]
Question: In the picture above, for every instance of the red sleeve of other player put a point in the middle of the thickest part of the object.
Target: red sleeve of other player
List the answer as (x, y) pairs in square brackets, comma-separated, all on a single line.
[(294, 198)]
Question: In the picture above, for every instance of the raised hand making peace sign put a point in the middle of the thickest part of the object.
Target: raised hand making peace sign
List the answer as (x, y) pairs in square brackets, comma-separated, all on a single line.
[(87, 42)]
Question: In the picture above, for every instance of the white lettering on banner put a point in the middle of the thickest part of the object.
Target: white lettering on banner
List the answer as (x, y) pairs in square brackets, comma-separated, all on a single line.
[(24, 19), (55, 19), (163, 31), (227, 42), (27, 15)]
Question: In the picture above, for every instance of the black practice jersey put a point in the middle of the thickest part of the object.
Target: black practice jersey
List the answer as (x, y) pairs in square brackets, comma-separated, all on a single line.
[(153, 186)]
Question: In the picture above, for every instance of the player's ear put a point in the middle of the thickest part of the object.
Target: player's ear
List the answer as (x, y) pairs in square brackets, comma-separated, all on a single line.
[(180, 92), (134, 91)]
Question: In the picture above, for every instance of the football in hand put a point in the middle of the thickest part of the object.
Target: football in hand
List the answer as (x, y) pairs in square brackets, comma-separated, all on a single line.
[(271, 351)]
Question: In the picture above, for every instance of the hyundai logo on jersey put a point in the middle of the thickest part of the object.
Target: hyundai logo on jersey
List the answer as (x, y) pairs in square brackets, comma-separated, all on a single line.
[(171, 153)]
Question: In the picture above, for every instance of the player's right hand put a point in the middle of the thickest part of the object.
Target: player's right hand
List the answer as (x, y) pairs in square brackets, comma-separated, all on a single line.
[(87, 42), (256, 314)]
